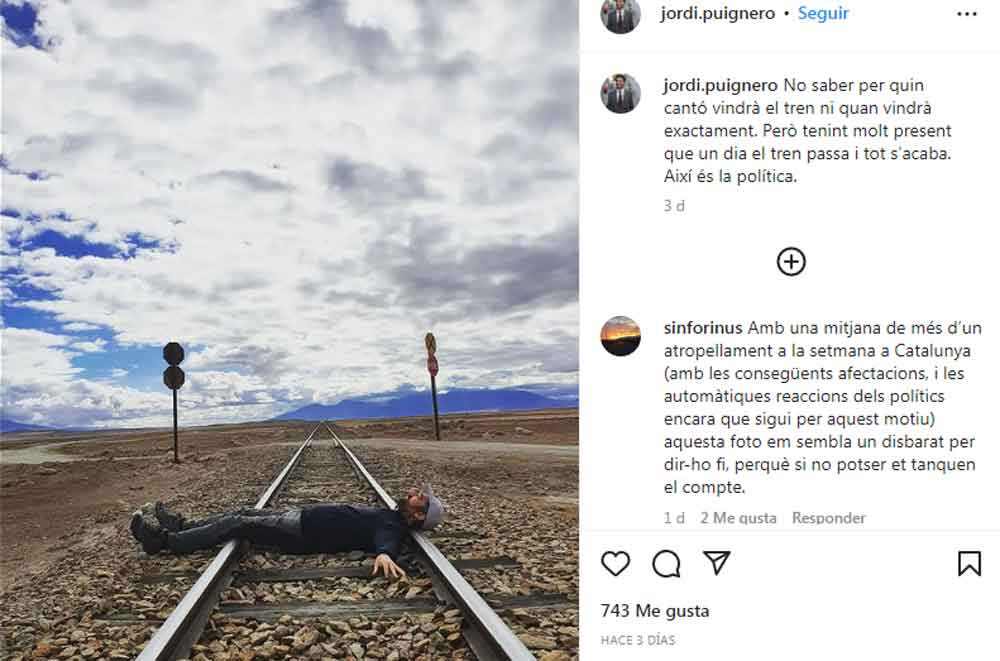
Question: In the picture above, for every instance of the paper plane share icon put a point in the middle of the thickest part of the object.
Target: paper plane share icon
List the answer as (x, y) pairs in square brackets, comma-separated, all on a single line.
[(718, 559)]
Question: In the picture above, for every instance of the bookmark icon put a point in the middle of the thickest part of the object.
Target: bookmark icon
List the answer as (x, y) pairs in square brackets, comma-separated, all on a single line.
[(970, 561)]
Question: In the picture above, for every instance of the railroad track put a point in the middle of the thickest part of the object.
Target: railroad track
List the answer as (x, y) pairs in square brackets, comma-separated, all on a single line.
[(269, 605)]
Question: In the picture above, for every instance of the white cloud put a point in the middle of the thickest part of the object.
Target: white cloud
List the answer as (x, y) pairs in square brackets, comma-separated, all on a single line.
[(319, 203), (41, 386), (80, 326), (89, 347), (36, 357)]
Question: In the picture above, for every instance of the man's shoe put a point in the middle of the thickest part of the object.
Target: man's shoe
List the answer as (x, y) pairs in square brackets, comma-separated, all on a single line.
[(152, 539), (169, 521)]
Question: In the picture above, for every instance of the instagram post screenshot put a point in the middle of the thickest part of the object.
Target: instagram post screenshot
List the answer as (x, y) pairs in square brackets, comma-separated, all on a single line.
[(465, 330)]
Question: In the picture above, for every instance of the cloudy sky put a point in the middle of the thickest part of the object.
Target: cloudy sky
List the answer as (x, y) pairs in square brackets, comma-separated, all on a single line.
[(295, 190)]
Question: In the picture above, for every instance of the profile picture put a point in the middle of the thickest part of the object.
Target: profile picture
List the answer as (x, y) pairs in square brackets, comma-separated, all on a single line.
[(620, 336), (620, 16), (620, 93)]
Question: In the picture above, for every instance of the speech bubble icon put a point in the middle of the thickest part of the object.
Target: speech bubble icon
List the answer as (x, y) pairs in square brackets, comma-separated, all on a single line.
[(667, 564)]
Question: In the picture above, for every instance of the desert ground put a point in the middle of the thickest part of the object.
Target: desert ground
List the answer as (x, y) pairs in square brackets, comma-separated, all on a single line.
[(65, 500)]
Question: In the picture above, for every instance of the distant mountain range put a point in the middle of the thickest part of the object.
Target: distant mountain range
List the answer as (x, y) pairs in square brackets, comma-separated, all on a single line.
[(7, 426), (457, 400), (401, 404)]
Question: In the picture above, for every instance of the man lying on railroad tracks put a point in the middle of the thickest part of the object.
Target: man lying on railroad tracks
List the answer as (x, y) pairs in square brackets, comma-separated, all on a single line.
[(317, 528)]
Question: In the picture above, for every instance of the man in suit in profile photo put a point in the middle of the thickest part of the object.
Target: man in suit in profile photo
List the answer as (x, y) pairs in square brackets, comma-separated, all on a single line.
[(620, 97), (620, 19)]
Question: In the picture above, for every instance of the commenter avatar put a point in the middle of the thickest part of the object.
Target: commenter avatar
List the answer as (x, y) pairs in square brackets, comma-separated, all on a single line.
[(620, 93), (620, 16), (620, 336)]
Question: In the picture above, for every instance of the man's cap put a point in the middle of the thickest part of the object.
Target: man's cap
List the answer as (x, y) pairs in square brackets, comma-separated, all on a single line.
[(435, 510)]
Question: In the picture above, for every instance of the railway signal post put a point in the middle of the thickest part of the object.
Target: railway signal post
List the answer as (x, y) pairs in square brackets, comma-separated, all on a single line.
[(432, 367), (173, 378)]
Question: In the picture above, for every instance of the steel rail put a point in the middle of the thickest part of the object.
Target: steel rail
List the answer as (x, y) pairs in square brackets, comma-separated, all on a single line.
[(181, 630), (503, 642)]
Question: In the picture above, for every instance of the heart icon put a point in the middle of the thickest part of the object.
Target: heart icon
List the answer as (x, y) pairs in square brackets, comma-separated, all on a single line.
[(615, 561)]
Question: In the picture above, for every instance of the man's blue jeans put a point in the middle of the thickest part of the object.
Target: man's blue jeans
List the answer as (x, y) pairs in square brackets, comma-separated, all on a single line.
[(282, 530)]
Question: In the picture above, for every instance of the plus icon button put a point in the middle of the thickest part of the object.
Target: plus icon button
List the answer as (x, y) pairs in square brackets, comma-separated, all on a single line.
[(791, 261)]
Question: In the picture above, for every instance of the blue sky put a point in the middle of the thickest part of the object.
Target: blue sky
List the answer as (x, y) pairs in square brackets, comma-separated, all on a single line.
[(19, 24), (297, 215)]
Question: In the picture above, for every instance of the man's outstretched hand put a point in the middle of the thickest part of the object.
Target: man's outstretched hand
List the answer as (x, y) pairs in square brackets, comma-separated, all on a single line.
[(385, 564)]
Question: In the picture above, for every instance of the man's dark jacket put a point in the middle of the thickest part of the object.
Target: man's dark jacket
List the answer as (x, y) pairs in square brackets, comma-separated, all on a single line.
[(626, 103), (624, 26), (335, 528)]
